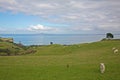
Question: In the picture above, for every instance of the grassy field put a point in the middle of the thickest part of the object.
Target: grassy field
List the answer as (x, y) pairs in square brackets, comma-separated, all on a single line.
[(58, 62)]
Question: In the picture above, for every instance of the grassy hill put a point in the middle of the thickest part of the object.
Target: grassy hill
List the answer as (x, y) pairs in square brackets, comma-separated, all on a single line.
[(10, 49), (58, 62)]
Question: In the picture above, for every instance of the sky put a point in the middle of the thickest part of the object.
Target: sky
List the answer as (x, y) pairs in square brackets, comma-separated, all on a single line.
[(59, 16)]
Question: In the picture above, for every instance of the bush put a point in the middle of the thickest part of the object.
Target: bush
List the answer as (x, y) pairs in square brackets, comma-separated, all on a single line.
[(109, 36)]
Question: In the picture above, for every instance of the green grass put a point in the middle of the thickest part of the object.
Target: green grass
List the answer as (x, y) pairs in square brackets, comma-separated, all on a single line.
[(10, 49), (50, 63)]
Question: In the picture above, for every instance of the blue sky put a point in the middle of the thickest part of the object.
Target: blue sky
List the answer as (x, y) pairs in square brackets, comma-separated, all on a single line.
[(59, 16)]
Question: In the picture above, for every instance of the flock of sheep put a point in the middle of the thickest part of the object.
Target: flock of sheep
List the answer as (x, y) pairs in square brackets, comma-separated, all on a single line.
[(102, 65)]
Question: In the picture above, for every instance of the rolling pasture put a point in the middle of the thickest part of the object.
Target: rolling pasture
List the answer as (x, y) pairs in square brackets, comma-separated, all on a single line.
[(60, 62)]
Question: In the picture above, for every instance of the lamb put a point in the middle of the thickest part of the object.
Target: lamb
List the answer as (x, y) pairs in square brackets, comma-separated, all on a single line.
[(113, 48), (115, 51), (102, 67)]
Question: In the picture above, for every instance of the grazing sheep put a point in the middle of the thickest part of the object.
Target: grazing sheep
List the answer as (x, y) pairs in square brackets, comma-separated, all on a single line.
[(102, 67), (113, 48), (115, 51)]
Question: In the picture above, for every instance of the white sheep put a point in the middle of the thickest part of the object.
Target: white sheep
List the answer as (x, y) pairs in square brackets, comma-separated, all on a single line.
[(115, 51), (102, 67), (113, 48)]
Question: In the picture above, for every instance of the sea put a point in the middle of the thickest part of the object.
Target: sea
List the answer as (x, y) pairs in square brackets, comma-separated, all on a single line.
[(63, 39)]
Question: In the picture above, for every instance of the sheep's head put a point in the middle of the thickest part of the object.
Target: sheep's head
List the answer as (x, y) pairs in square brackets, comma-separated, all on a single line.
[(101, 63)]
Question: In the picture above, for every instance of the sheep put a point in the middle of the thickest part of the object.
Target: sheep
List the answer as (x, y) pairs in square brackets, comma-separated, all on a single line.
[(115, 51), (113, 48), (102, 67)]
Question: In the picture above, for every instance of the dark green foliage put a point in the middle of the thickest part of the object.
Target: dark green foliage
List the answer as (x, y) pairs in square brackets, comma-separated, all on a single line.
[(109, 36), (51, 43), (5, 51)]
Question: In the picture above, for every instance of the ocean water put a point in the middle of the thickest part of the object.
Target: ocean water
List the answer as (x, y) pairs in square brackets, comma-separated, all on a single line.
[(64, 39)]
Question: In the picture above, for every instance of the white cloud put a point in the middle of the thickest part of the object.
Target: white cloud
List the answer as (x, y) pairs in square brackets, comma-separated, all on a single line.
[(40, 27), (99, 14), (8, 1), (43, 5), (110, 26), (83, 5)]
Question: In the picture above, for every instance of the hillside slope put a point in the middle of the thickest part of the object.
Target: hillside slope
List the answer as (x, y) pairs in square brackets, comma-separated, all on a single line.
[(57, 62), (9, 49), (87, 48)]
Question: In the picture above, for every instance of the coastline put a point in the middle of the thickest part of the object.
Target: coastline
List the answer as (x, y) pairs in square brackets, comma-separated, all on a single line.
[(63, 39)]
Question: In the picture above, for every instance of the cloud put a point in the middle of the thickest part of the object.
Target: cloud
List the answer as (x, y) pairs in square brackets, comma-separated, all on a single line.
[(95, 14), (110, 26), (84, 5), (82, 28), (40, 27)]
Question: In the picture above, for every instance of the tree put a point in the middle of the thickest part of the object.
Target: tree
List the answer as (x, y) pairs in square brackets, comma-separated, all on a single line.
[(109, 36), (51, 43)]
